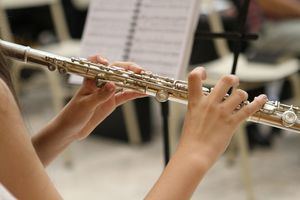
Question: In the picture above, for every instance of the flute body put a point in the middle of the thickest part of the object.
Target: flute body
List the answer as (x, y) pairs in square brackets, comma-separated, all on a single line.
[(273, 113)]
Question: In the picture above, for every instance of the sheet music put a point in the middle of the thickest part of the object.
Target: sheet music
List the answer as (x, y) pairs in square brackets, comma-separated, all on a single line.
[(106, 28), (160, 35), (156, 34)]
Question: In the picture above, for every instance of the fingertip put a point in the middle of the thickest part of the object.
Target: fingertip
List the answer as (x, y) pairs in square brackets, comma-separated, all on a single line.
[(242, 93), (264, 97), (110, 87), (89, 83), (203, 72), (97, 58), (134, 67), (106, 91), (138, 69), (92, 58), (261, 98), (230, 80), (195, 84), (102, 60), (127, 66), (198, 72)]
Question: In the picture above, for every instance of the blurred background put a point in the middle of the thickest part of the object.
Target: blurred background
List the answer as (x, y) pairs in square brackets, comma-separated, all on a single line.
[(112, 165)]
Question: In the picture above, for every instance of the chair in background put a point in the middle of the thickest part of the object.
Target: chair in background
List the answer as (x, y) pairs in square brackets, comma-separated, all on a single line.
[(65, 46), (81, 4), (252, 75)]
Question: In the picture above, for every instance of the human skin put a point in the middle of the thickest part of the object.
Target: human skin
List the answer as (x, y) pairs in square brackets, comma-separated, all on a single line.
[(23, 158), (281, 9), (88, 108), (208, 127)]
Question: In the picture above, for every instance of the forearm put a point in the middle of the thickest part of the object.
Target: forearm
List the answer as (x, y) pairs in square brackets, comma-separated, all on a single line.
[(281, 8), (61, 131), (89, 107), (180, 178), (51, 141)]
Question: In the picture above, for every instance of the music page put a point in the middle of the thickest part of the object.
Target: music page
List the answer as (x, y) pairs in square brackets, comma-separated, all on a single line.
[(155, 34)]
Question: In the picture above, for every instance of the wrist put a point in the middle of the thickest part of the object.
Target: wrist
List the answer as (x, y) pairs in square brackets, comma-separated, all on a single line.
[(195, 157), (50, 141), (70, 121), (61, 127)]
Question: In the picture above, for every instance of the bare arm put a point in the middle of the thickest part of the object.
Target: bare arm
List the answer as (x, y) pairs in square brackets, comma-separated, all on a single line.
[(281, 8), (208, 128), (21, 171), (89, 107)]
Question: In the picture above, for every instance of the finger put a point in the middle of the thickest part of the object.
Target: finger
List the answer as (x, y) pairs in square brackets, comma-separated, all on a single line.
[(88, 86), (195, 79), (102, 94), (125, 96), (234, 100), (98, 59), (128, 66), (223, 85), (251, 108)]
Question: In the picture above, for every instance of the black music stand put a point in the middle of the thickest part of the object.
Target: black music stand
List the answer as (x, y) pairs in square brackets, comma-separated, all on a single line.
[(238, 37)]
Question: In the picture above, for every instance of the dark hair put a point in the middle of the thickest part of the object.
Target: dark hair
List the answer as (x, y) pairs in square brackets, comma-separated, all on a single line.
[(4, 72)]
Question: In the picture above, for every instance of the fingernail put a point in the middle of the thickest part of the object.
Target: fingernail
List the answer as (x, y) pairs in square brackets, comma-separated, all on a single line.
[(105, 60), (102, 60), (263, 96)]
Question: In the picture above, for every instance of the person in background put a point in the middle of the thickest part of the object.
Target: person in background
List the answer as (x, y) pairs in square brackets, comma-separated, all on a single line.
[(277, 24), (280, 26), (209, 125), (279, 36)]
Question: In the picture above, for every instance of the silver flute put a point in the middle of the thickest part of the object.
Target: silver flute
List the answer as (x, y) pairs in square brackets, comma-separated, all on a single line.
[(273, 113)]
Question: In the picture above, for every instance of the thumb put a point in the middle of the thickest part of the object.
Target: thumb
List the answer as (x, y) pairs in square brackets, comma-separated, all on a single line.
[(88, 86), (102, 94)]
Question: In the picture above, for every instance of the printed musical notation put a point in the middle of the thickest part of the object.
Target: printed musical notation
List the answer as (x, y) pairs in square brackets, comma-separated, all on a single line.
[(153, 33), (106, 28)]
